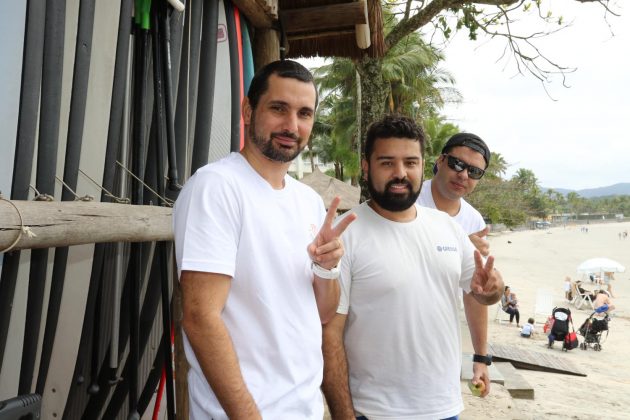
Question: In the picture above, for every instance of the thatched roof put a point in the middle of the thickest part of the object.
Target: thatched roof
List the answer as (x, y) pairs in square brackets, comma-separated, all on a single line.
[(337, 42), (328, 188)]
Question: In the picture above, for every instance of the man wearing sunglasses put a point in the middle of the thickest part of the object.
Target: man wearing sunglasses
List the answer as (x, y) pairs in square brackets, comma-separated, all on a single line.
[(459, 168)]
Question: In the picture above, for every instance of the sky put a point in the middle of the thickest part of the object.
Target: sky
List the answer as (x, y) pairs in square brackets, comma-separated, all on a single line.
[(580, 139)]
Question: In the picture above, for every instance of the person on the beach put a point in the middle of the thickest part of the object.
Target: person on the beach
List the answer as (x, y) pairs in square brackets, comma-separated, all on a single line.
[(528, 329), (509, 303), (567, 289), (258, 255), (602, 302), (393, 350), (608, 276)]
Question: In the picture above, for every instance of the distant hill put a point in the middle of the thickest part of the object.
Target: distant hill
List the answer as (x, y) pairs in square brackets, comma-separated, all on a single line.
[(622, 188)]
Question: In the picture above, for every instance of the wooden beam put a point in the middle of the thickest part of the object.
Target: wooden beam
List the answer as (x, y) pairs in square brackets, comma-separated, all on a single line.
[(266, 47), (363, 36), (323, 18), (260, 13), (295, 37), (54, 224)]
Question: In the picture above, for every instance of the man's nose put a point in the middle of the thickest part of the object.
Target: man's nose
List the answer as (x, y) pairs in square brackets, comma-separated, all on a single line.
[(400, 171), (290, 122)]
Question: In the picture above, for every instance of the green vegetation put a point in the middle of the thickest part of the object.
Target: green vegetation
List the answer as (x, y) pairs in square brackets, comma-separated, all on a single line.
[(408, 80)]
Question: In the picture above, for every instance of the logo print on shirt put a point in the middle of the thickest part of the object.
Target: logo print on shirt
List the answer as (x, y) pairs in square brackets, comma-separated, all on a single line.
[(446, 248)]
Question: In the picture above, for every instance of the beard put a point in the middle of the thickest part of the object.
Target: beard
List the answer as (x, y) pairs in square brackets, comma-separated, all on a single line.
[(391, 201), (271, 151)]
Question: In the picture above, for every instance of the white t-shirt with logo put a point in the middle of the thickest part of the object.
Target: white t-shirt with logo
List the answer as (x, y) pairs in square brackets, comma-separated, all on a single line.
[(400, 289), (468, 217), (229, 220)]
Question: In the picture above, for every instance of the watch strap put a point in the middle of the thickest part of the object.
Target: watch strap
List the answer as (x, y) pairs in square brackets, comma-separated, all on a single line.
[(487, 359), (324, 273)]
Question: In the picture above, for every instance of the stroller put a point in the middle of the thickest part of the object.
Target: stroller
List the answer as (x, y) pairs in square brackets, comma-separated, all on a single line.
[(592, 330), (559, 331)]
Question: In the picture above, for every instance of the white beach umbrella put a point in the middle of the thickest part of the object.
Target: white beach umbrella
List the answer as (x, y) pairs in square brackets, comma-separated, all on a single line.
[(600, 265)]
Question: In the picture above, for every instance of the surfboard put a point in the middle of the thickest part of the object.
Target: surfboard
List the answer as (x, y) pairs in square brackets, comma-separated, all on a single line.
[(207, 87), (236, 74), (12, 21), (248, 56), (221, 131)]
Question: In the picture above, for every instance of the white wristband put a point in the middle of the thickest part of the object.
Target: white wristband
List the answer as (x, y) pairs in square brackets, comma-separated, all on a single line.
[(325, 273)]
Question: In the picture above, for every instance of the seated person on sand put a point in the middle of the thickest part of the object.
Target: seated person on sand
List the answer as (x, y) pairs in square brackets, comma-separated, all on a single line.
[(578, 285), (528, 329), (602, 302), (509, 304)]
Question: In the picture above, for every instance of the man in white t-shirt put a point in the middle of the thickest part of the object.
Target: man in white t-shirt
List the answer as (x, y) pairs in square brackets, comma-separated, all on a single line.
[(393, 350), (257, 256), (462, 163)]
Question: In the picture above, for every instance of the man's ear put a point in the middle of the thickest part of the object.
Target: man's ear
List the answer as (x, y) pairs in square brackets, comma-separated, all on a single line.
[(246, 111), (365, 166)]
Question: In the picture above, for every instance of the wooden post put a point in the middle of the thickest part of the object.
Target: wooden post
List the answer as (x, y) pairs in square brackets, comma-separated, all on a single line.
[(44, 224), (266, 47)]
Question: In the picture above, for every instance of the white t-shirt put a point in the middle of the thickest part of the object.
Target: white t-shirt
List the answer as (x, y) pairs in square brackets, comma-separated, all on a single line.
[(400, 289), (229, 220), (527, 329), (468, 217)]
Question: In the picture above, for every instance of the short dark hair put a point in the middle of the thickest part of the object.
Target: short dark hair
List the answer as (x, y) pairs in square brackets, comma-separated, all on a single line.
[(281, 68), (393, 125)]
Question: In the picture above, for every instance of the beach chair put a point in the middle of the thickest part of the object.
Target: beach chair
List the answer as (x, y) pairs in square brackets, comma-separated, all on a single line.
[(543, 306), (501, 316), (579, 299)]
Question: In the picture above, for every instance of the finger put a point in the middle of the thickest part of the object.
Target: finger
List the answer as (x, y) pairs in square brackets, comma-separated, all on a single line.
[(344, 223), (478, 260), (332, 211), (489, 264), (330, 259), (328, 246), (483, 232), (311, 249)]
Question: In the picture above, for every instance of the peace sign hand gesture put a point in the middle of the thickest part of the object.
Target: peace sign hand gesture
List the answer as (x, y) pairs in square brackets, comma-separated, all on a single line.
[(327, 249), (487, 283)]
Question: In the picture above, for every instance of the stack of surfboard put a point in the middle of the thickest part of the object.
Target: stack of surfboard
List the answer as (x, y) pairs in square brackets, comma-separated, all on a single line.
[(100, 102)]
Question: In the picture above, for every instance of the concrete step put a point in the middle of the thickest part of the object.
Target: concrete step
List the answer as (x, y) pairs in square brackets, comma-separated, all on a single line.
[(516, 385)]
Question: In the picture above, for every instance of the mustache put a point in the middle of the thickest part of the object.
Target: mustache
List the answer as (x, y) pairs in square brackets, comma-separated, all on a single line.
[(285, 134), (403, 181)]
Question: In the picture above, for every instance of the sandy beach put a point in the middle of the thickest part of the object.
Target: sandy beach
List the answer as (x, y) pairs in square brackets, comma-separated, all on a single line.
[(540, 259)]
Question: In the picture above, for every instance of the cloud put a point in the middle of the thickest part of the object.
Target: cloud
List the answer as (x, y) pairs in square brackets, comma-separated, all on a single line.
[(578, 141)]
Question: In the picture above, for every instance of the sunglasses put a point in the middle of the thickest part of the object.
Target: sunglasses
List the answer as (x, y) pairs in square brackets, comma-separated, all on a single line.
[(458, 166)]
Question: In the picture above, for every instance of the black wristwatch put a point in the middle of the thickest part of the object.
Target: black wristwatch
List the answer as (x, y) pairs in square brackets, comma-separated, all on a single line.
[(487, 359)]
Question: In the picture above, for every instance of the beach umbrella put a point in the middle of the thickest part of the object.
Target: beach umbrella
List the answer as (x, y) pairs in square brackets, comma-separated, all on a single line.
[(599, 265), (328, 188)]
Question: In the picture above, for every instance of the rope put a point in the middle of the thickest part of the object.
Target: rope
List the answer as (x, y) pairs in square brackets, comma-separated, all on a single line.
[(119, 200), (24, 230), (86, 197), (164, 199)]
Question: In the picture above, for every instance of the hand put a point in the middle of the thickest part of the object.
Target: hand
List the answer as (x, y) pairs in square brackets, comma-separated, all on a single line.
[(480, 375), (327, 249), (486, 282), (480, 242)]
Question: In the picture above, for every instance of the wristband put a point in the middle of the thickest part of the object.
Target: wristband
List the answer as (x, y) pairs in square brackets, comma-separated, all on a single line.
[(325, 273), (487, 359)]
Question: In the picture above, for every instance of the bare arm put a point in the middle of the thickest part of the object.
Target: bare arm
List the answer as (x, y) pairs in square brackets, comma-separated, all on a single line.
[(335, 384), (477, 318), (326, 250), (327, 297), (203, 299)]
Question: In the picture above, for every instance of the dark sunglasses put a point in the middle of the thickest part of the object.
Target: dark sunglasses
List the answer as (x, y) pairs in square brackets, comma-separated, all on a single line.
[(458, 166)]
